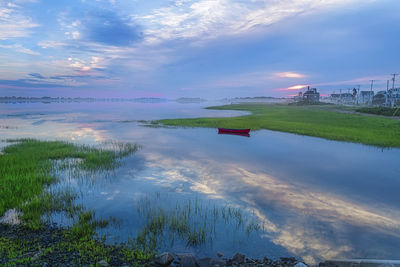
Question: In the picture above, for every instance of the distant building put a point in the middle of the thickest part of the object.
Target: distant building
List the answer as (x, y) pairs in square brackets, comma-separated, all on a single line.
[(393, 97), (311, 95), (380, 99), (389, 98), (365, 97), (298, 97), (342, 98)]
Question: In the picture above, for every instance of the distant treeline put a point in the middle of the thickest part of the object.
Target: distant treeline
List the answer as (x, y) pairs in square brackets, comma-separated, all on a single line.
[(47, 99)]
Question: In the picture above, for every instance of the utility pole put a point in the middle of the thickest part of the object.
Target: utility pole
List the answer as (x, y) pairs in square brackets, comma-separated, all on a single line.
[(370, 95), (358, 93), (387, 86), (394, 79)]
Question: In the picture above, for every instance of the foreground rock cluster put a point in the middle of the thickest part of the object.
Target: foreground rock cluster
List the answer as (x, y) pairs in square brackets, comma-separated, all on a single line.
[(189, 260)]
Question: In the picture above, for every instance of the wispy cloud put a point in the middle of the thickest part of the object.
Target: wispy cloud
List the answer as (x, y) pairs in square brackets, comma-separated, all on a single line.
[(19, 48), (13, 22), (356, 81), (213, 18), (253, 79)]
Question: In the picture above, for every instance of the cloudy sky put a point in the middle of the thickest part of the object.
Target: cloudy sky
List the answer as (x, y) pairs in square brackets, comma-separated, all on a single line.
[(195, 48)]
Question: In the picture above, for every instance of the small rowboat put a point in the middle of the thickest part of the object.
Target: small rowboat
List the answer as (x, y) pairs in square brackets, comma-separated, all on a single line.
[(233, 131)]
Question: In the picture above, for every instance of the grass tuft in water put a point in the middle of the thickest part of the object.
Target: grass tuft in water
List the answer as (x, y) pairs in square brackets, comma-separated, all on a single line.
[(192, 222)]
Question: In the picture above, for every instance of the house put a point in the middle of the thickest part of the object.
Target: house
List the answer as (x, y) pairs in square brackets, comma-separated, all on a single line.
[(311, 95), (393, 97), (381, 99), (365, 97), (342, 98), (298, 97)]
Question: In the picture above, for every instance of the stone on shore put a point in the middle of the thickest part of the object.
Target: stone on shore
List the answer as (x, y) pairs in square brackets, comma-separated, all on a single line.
[(11, 217), (300, 264), (164, 259), (238, 258), (187, 260), (102, 263), (210, 262)]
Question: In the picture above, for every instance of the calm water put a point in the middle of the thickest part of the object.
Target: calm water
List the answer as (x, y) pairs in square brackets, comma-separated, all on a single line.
[(309, 197)]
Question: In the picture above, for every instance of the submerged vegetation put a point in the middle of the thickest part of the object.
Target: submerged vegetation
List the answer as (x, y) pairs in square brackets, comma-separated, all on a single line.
[(27, 169), (320, 121), (192, 222)]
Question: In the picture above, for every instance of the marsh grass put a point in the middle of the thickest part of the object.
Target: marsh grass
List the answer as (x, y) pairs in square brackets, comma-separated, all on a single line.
[(192, 221), (384, 111), (320, 121), (56, 247), (27, 169)]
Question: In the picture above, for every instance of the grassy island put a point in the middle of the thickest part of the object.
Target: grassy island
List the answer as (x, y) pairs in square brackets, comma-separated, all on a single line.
[(324, 121)]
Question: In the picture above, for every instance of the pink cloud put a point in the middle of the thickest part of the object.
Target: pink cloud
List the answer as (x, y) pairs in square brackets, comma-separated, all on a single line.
[(289, 74), (294, 87)]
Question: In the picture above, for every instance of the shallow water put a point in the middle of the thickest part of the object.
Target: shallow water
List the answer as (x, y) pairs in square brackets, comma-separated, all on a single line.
[(311, 198)]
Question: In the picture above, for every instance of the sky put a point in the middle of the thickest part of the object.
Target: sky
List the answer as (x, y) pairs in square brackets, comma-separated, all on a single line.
[(196, 48)]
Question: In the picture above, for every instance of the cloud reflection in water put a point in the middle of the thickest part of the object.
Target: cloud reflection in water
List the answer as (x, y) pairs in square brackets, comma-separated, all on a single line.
[(316, 225)]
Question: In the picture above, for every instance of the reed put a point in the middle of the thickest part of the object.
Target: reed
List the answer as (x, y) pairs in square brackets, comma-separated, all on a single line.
[(191, 221)]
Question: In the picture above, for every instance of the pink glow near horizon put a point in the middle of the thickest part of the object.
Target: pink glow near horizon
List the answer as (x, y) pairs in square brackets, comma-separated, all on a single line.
[(295, 87)]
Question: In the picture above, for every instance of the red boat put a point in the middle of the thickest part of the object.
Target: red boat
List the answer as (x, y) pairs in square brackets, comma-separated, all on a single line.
[(233, 131)]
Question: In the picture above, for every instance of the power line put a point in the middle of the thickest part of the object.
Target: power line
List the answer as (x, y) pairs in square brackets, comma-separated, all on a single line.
[(370, 95)]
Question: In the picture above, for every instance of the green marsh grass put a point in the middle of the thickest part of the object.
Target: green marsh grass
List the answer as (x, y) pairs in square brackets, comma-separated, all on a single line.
[(27, 169), (384, 111), (192, 221), (320, 121)]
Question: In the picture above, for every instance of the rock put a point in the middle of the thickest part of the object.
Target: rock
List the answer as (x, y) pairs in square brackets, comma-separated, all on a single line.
[(11, 217), (164, 259), (219, 254), (288, 259), (210, 262), (102, 263), (238, 258), (300, 264), (386, 264), (187, 260)]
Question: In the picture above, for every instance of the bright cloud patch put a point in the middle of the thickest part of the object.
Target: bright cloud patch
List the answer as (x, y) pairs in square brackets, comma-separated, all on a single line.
[(296, 87), (290, 75)]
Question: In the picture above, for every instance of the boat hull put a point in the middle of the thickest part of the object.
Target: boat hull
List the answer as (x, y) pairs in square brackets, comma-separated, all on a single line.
[(234, 131)]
